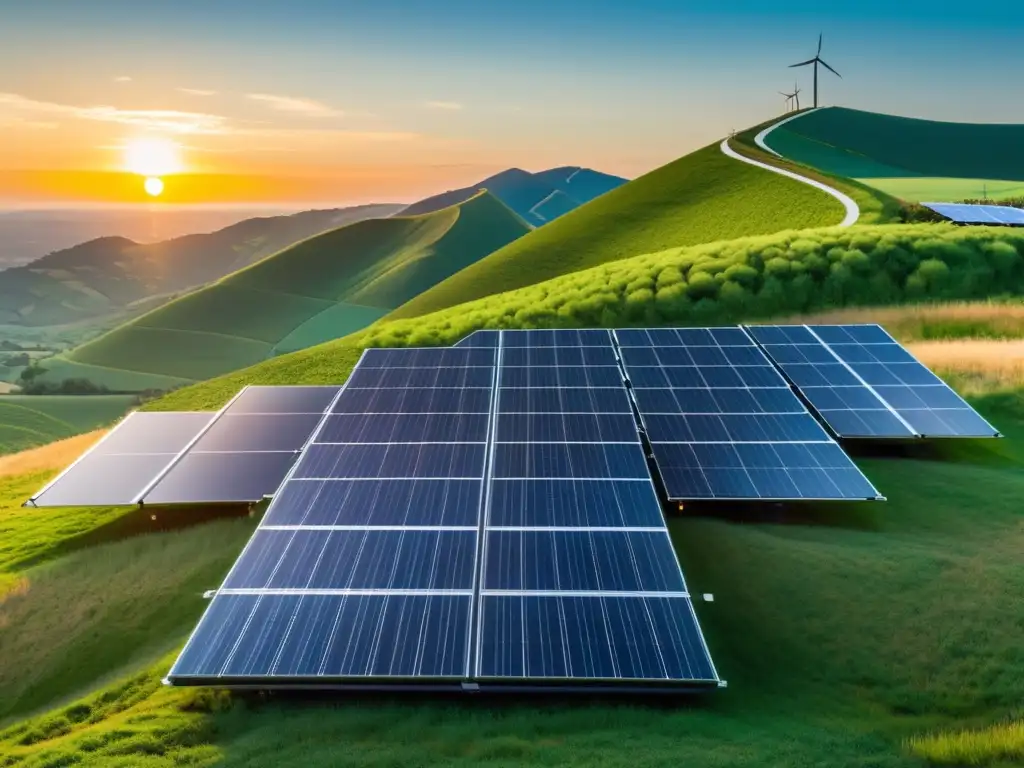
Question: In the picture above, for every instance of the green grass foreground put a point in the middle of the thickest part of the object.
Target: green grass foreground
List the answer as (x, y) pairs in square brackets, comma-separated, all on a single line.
[(844, 630), (30, 420)]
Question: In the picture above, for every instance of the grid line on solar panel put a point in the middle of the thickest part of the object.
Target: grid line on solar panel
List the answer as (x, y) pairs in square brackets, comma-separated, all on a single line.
[(714, 430)]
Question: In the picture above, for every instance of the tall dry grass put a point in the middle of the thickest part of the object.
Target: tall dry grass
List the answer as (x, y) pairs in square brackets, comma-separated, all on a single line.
[(974, 366), (932, 322), (1002, 742), (56, 455)]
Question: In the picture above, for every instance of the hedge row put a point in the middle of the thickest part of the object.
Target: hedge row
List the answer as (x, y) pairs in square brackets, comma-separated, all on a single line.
[(746, 279)]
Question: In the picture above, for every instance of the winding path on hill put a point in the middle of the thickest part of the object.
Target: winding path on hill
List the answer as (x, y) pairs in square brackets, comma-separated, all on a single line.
[(852, 209)]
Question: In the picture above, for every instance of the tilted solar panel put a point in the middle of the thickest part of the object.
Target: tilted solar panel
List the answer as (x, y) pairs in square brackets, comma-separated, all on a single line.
[(579, 580), (364, 566), (724, 424), (964, 213), (118, 468), (863, 383)]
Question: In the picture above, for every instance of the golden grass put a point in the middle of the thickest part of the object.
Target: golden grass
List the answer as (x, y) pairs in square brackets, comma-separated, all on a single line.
[(987, 319), (55, 455), (974, 366), (1001, 742)]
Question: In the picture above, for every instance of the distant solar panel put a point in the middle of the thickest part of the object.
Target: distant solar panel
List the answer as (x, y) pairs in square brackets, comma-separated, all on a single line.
[(364, 567), (963, 213), (236, 455), (120, 466), (865, 384), (724, 424)]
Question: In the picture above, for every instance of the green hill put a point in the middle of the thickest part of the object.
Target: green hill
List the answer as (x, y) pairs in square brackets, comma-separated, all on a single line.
[(700, 198), (905, 156), (321, 289), (104, 276), (30, 420)]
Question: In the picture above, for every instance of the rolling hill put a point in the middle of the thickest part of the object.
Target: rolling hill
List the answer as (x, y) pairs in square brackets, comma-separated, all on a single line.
[(702, 197), (908, 157), (30, 420), (537, 197), (105, 276), (320, 289)]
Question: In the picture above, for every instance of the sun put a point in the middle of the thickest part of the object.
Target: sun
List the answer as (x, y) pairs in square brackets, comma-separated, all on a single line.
[(154, 186), (152, 157)]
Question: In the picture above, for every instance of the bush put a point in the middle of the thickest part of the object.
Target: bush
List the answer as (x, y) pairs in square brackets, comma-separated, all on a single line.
[(747, 279)]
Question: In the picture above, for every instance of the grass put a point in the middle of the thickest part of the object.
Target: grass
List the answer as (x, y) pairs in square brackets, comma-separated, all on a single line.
[(845, 631), (1004, 742), (106, 611), (865, 145), (702, 197), (927, 189), (30, 420), (322, 288)]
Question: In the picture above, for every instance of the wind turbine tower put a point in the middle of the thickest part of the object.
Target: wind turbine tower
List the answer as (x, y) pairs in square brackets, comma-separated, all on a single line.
[(815, 62)]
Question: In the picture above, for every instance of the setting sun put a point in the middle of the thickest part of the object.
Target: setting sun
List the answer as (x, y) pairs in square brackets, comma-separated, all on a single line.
[(152, 158), (154, 186)]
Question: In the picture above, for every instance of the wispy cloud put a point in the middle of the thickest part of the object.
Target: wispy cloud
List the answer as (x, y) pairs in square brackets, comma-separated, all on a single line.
[(169, 120), (451, 106), (307, 107), (197, 92), (122, 79)]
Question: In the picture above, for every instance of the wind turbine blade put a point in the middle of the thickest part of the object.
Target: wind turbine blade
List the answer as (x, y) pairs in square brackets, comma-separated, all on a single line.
[(826, 66), (819, 44), (803, 63)]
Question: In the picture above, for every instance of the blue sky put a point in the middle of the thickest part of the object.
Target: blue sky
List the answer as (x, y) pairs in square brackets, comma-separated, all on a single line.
[(620, 86)]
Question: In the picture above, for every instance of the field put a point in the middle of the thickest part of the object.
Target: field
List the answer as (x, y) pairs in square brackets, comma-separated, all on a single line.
[(30, 420), (924, 189), (700, 198), (320, 289)]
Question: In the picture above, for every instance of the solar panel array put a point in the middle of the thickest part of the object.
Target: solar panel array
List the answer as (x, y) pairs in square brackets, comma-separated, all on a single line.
[(724, 424), (239, 454), (579, 579), (963, 213), (364, 565), (863, 383), (118, 468), (441, 529)]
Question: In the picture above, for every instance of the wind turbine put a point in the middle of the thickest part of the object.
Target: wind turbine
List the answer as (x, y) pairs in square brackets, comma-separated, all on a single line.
[(789, 100), (816, 61), (796, 96)]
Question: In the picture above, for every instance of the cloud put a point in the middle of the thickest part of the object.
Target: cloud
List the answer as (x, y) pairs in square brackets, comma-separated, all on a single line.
[(197, 92), (122, 79), (169, 120), (306, 107), (450, 106)]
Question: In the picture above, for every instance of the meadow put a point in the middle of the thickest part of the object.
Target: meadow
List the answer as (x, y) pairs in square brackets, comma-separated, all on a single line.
[(319, 289), (30, 420), (926, 189)]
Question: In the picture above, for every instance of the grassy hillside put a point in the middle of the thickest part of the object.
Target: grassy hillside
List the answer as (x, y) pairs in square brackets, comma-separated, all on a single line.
[(912, 158), (853, 635), (321, 289), (699, 198), (104, 276), (31, 420)]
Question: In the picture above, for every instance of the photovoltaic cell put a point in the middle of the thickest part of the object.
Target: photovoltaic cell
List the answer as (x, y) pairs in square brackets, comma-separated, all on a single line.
[(370, 547), (863, 383), (723, 423), (964, 213)]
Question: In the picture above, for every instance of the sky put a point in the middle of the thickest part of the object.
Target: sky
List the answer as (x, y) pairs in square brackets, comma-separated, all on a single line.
[(348, 101)]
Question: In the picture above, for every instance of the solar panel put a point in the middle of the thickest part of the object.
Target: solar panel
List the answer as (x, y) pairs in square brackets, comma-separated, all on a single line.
[(964, 213), (579, 580), (244, 454), (863, 383), (364, 567), (724, 424), (120, 466)]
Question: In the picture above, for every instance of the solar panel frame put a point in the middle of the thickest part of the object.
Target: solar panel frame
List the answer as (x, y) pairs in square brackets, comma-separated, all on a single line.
[(765, 469)]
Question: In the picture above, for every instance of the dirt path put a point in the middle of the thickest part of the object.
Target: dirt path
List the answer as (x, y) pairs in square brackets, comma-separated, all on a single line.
[(53, 456)]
